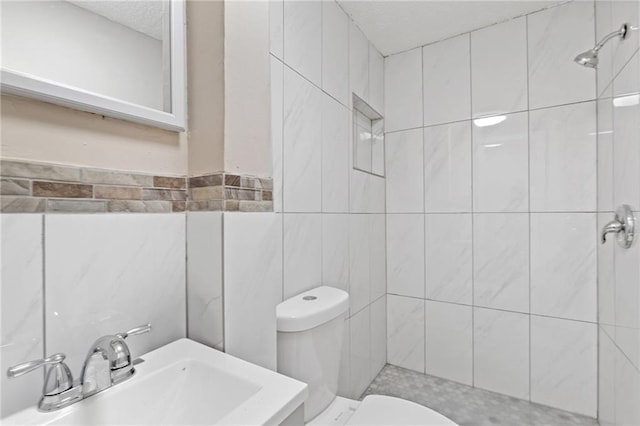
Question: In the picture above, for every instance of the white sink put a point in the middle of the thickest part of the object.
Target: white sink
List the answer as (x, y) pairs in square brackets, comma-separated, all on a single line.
[(183, 383)]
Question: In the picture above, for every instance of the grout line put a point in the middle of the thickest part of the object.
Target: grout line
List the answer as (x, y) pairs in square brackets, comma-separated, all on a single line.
[(526, 22), (473, 254)]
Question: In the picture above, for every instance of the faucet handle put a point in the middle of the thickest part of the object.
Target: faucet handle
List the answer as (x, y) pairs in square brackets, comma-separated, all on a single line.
[(59, 377), (29, 366), (135, 331)]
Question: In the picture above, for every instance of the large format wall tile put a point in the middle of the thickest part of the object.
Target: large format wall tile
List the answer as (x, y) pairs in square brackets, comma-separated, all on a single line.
[(302, 155), (449, 341), (358, 62), (627, 381), (376, 79), (276, 35), (564, 364), (403, 90), (378, 313), (360, 352), (563, 158), (499, 68), (405, 254), (126, 269), (501, 261), (605, 186), (302, 239), (501, 352), (446, 81), (22, 299), (447, 167), (405, 332), (606, 275), (564, 265), (277, 127), (303, 38), (204, 278), (359, 258), (336, 142), (555, 36), (335, 250), (404, 172), (606, 379), (253, 285), (500, 165), (335, 52), (377, 256), (448, 257)]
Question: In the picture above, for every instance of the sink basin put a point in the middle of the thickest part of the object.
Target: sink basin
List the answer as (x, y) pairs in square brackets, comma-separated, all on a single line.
[(183, 383)]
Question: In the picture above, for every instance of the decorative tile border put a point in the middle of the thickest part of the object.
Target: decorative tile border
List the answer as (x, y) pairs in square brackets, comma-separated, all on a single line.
[(27, 187)]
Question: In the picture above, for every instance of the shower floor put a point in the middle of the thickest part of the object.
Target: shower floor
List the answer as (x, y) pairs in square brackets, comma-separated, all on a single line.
[(466, 405)]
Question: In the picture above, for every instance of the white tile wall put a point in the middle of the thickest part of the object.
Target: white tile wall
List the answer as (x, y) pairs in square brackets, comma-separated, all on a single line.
[(501, 352), (335, 52), (405, 254), (277, 127), (500, 166), (449, 341), (360, 271), (358, 62), (499, 68), (360, 352), (336, 141), (564, 364), (127, 269), (204, 278), (446, 81), (376, 79), (253, 285), (555, 36), (378, 313), (335, 250), (564, 265), (276, 30), (22, 299), (302, 253), (447, 167), (563, 158), (404, 169), (303, 38), (405, 332), (377, 256), (403, 90), (448, 257)]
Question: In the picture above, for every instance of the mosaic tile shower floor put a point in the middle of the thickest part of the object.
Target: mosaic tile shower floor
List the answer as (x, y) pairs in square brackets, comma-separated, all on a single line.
[(466, 405)]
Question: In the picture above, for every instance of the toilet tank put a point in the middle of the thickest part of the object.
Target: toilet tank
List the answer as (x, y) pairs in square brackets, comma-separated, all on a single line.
[(310, 334)]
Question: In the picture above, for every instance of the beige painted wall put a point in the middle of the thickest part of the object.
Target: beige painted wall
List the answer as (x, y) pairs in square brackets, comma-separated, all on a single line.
[(247, 88), (205, 73)]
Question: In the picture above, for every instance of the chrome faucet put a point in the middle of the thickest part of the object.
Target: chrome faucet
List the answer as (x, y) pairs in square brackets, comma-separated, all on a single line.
[(107, 364)]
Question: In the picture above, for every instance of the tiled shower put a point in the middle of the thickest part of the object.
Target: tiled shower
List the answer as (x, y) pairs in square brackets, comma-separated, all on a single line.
[(473, 255)]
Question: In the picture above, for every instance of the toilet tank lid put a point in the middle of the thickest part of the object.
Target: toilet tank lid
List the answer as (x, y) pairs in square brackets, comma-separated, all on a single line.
[(311, 309)]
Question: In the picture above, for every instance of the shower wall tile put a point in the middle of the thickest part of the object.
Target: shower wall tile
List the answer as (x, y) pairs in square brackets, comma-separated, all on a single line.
[(359, 258), (500, 166), (405, 332), (447, 167), (627, 290), (336, 142), (564, 363), (403, 90), (499, 68), (606, 379), (358, 62), (501, 352), (554, 36), (563, 158), (606, 276), (335, 52), (276, 34), (376, 79), (626, 132), (22, 299), (252, 293), (501, 261), (377, 256), (366, 192), (378, 335), (404, 179), (126, 269), (344, 380), (605, 154), (449, 257), (564, 265), (204, 278), (405, 254), (446, 81), (335, 250), (302, 153), (360, 352), (303, 38), (277, 120), (449, 341), (627, 381), (302, 255)]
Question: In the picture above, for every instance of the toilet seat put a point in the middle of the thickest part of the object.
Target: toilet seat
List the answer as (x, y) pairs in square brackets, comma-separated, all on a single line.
[(387, 410)]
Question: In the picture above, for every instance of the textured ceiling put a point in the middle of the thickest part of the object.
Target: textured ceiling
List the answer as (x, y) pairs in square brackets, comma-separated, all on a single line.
[(394, 26), (144, 16)]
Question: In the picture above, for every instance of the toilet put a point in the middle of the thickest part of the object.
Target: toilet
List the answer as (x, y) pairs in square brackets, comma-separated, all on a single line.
[(310, 334)]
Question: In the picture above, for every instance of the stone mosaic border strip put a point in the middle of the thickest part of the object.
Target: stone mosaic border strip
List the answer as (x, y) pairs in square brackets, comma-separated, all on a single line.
[(29, 187)]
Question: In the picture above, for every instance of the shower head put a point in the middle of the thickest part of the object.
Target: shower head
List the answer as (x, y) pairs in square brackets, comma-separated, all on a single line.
[(589, 58)]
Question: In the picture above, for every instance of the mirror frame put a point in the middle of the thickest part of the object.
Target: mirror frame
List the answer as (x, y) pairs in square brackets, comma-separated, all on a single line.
[(31, 86)]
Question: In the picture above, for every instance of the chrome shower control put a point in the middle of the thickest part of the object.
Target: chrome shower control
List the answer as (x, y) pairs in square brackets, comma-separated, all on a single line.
[(623, 225)]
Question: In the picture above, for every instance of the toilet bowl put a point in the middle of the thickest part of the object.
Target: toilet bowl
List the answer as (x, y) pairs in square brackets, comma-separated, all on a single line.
[(310, 334)]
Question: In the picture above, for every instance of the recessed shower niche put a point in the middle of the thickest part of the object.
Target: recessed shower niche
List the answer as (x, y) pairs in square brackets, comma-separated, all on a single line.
[(368, 138)]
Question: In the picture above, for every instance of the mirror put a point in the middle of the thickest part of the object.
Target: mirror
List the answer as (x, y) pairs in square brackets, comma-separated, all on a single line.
[(123, 59)]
